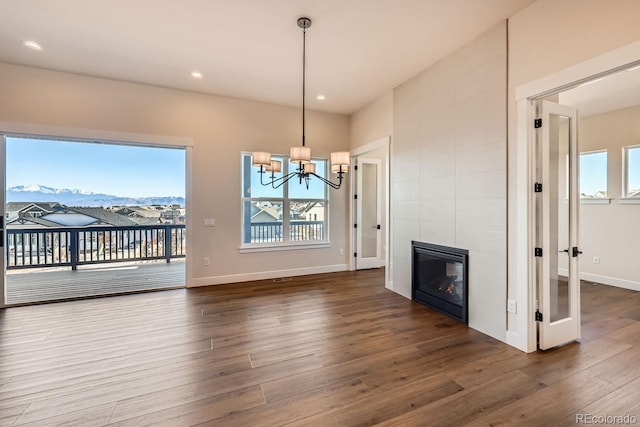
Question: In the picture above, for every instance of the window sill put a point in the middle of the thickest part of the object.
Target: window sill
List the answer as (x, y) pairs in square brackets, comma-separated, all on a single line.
[(599, 201), (283, 247), (629, 201)]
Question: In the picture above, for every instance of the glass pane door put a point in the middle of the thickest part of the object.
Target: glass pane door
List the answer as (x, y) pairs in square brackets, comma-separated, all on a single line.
[(559, 297), (369, 210), (369, 214)]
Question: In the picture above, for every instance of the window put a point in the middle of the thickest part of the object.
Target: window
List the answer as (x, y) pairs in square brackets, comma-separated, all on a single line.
[(632, 172), (593, 175), (290, 214)]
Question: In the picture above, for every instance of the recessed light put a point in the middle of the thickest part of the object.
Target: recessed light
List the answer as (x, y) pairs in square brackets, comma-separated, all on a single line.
[(32, 45), (321, 97), (196, 74)]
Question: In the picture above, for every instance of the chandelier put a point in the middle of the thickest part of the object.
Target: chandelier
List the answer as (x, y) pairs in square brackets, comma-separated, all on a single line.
[(300, 155)]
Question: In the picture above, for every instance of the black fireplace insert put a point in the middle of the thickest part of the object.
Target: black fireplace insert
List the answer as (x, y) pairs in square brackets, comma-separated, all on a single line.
[(440, 279)]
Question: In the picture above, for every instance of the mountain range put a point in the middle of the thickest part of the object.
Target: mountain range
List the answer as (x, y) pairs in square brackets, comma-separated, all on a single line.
[(41, 193)]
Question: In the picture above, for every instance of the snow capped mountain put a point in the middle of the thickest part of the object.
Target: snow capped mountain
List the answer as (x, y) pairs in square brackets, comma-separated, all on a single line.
[(76, 197), (34, 188)]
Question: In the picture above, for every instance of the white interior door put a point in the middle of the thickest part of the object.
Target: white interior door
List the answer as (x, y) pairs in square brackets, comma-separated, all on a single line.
[(369, 214), (557, 211), (3, 291)]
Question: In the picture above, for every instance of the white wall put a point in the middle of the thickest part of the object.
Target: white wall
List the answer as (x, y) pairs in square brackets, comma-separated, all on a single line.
[(220, 129), (449, 171), (372, 122)]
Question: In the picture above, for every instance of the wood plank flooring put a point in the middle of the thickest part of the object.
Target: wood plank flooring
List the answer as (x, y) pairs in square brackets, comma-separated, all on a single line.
[(27, 286), (323, 350)]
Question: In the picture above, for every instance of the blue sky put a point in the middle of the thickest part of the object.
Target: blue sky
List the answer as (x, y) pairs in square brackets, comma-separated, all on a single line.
[(120, 170), (593, 172)]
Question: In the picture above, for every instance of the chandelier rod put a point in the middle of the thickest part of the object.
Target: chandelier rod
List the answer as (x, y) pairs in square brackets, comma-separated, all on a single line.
[(304, 77)]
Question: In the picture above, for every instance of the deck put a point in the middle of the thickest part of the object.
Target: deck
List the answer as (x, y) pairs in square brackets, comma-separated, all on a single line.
[(91, 280)]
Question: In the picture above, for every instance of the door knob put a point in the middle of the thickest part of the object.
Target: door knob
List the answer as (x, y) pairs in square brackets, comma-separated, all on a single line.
[(575, 251)]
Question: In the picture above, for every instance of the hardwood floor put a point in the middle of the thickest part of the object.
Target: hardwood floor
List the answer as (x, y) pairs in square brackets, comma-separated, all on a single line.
[(327, 350)]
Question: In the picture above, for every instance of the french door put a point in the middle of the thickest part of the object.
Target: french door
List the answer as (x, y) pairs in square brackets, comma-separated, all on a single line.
[(556, 204), (368, 214)]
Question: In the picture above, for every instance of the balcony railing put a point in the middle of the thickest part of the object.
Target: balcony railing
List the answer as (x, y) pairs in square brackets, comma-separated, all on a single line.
[(264, 232), (74, 246)]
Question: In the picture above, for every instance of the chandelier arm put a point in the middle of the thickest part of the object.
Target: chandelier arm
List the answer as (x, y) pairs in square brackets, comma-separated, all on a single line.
[(333, 185), (279, 181)]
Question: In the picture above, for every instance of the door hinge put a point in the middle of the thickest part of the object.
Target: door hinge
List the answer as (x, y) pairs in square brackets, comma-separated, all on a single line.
[(537, 251), (355, 167), (537, 123), (538, 316), (355, 196), (355, 225), (537, 187), (355, 254)]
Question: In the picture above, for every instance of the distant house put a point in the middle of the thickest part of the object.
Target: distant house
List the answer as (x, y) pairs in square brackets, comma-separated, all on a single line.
[(265, 213), (142, 215), (175, 215), (266, 223), (313, 211), (78, 217), (28, 210)]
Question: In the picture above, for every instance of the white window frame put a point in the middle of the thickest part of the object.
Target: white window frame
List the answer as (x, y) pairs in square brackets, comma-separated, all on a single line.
[(625, 199), (285, 244)]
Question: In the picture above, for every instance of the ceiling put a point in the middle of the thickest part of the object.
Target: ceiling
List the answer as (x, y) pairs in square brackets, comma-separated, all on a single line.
[(357, 50), (612, 92)]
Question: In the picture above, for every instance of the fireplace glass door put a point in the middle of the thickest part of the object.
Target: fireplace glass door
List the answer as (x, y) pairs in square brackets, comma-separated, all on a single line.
[(440, 279)]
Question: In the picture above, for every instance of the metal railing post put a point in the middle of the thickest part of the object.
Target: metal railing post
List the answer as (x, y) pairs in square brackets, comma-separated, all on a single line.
[(167, 243), (74, 248)]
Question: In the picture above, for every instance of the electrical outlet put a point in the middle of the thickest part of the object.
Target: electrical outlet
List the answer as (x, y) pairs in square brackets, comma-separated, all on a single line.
[(207, 261), (341, 251), (209, 222), (511, 306), (596, 260)]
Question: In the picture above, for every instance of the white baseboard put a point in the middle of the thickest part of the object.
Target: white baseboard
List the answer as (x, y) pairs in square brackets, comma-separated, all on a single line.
[(262, 275), (605, 280)]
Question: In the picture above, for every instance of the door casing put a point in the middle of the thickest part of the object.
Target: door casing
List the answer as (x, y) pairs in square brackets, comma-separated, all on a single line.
[(521, 331), (3, 290), (383, 144)]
